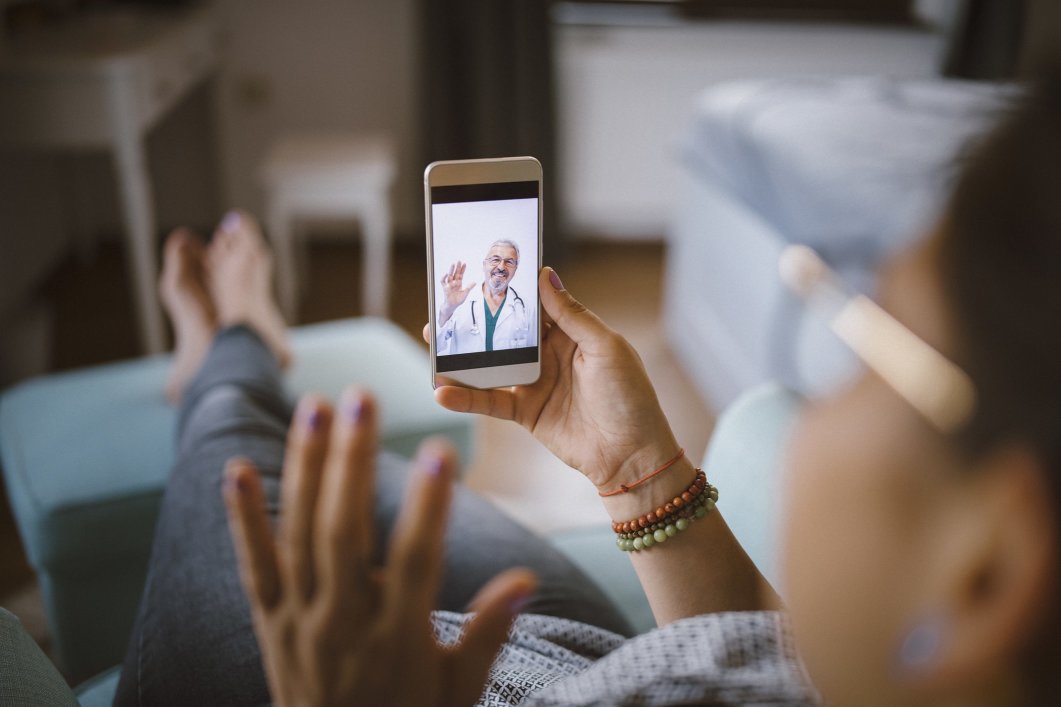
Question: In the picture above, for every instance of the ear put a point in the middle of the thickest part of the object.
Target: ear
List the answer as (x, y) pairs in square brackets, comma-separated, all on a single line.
[(1006, 562)]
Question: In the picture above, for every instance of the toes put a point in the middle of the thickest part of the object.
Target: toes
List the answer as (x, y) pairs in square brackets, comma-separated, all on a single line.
[(176, 243), (183, 255), (240, 227), (180, 235)]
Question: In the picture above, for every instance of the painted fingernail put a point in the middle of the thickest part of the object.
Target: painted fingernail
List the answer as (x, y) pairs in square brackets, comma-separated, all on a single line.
[(555, 279), (519, 603), (433, 467), (355, 411), (313, 419), (234, 483), (231, 221)]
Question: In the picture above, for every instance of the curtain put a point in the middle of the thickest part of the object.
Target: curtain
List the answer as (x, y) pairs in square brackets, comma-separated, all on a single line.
[(487, 89), (986, 40)]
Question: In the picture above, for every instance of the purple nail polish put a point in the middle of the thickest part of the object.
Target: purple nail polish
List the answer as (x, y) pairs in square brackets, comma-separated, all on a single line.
[(231, 221), (555, 279), (433, 467), (313, 420), (234, 484), (518, 604), (355, 411)]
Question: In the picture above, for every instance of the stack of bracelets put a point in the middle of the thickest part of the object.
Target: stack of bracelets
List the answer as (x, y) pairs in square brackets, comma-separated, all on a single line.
[(669, 519)]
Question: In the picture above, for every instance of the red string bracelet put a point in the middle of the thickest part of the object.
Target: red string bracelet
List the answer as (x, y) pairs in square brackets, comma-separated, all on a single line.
[(625, 488)]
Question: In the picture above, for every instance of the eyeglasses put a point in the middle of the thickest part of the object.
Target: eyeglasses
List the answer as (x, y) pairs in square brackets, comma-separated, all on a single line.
[(932, 384), (495, 260)]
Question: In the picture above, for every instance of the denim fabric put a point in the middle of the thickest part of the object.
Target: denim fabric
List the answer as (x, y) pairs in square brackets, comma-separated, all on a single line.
[(193, 642)]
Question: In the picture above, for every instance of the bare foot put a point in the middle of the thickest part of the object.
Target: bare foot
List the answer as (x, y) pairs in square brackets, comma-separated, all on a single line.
[(182, 288), (240, 270)]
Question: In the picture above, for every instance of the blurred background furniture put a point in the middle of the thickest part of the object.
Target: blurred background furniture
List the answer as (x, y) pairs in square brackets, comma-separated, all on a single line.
[(101, 83), (318, 177), (86, 455), (744, 460), (854, 168)]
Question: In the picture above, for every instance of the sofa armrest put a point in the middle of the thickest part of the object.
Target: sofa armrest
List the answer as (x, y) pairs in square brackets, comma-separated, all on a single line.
[(744, 459)]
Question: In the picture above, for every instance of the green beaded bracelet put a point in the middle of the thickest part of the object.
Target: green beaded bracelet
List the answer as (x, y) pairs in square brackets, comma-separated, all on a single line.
[(659, 533)]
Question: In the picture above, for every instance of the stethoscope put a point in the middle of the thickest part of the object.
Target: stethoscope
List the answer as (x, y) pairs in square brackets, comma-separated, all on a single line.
[(475, 324)]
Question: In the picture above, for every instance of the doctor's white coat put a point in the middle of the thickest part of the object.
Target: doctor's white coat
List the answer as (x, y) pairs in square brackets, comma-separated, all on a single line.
[(465, 332)]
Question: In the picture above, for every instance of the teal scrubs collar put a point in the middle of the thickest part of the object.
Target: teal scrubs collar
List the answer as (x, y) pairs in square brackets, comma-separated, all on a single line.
[(491, 320)]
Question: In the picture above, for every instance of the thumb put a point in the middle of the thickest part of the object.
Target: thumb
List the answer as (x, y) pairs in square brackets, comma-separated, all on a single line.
[(574, 318), (495, 606), (468, 289)]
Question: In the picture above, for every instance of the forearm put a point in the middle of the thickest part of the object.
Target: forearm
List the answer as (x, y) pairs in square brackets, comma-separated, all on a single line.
[(444, 315), (700, 570)]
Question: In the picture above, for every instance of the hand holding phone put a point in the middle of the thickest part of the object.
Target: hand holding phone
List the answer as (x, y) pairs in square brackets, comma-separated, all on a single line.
[(484, 216)]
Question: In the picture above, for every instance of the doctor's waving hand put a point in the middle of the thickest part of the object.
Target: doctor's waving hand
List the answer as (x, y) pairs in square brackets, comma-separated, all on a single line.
[(486, 318)]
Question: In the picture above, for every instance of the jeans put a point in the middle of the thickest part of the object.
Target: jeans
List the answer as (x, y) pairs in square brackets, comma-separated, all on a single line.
[(193, 642)]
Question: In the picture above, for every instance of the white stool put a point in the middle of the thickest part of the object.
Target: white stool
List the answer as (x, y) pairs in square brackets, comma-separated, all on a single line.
[(331, 177)]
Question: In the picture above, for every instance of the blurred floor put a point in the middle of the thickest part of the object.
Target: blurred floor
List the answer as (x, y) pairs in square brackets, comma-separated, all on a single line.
[(621, 282)]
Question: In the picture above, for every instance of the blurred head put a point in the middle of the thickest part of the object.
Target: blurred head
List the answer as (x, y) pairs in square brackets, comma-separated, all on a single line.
[(922, 567), (499, 265)]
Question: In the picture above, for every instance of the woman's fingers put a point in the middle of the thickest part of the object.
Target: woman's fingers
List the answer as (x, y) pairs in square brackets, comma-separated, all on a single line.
[(345, 521), (414, 560), (251, 534), (494, 606), (498, 402), (307, 444), (580, 324), (427, 333)]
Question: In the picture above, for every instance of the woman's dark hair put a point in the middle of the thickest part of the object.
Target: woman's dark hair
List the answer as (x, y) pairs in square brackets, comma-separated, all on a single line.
[(1000, 265), (1000, 262)]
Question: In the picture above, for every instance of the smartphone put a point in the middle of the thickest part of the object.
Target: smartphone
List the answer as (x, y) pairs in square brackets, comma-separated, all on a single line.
[(484, 253)]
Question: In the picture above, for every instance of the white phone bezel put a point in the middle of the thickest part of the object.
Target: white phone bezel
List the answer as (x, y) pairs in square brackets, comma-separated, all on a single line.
[(480, 171)]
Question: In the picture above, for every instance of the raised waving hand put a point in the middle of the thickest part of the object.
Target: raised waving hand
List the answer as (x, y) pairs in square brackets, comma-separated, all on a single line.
[(454, 289), (333, 628)]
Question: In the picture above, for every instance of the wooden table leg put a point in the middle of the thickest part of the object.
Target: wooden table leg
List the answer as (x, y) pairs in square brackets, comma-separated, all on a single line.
[(138, 213), (376, 244)]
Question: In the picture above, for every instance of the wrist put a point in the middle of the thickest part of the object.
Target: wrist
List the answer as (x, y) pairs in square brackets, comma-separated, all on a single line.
[(651, 494)]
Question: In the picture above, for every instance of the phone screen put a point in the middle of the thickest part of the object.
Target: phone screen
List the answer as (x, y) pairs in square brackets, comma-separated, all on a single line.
[(485, 249)]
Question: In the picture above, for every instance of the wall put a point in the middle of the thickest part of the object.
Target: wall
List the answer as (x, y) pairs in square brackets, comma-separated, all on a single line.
[(626, 96)]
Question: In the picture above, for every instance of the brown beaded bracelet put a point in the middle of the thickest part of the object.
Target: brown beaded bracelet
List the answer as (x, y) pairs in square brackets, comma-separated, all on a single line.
[(686, 511), (670, 524), (697, 486)]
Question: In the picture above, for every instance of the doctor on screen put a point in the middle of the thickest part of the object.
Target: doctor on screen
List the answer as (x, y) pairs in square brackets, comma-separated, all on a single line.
[(486, 318)]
